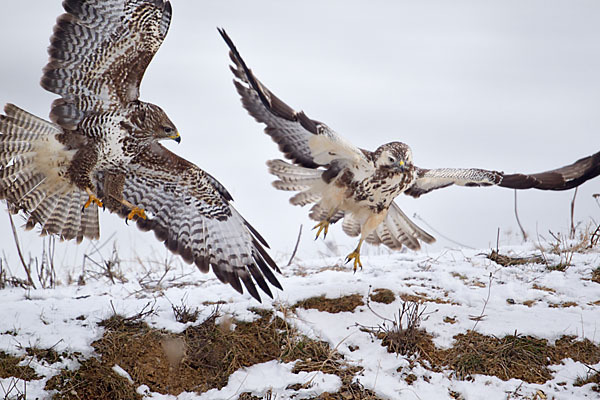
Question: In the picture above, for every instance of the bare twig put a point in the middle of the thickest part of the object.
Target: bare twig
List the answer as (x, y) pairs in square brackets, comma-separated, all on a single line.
[(295, 247), (16, 237), (497, 240), (519, 221), (147, 310), (572, 235), (12, 390), (595, 238), (415, 216), (592, 368), (482, 315)]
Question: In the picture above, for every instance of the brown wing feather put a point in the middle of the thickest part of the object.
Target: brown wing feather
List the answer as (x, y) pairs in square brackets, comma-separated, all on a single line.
[(307, 142), (99, 52), (291, 130), (190, 212), (563, 178)]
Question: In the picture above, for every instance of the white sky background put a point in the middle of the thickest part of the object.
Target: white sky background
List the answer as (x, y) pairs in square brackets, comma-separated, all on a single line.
[(505, 85)]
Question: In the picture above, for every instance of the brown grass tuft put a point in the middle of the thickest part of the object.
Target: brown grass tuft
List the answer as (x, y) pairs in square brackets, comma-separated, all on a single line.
[(9, 367), (341, 304), (184, 313), (403, 334), (512, 356), (590, 378), (385, 296), (48, 355), (424, 298), (352, 391), (521, 357), (506, 260), (579, 350), (93, 380)]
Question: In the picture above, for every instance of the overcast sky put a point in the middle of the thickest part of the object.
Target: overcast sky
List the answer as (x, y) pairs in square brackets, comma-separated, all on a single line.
[(504, 85)]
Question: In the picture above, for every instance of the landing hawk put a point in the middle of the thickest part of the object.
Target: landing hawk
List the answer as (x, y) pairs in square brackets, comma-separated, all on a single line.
[(359, 186), (101, 149)]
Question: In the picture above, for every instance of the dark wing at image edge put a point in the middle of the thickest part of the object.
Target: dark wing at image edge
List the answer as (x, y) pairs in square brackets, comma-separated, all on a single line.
[(563, 178)]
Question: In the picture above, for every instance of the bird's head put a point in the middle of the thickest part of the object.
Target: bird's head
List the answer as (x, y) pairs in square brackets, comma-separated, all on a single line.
[(393, 155), (155, 123)]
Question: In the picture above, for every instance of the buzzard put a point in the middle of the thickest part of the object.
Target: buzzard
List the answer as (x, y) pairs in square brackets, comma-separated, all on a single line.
[(102, 149), (359, 186)]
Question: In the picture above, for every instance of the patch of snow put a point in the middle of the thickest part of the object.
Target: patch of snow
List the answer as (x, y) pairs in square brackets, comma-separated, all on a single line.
[(121, 372)]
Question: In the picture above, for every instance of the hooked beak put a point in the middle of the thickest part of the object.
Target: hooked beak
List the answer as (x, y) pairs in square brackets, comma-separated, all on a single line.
[(400, 165), (176, 137)]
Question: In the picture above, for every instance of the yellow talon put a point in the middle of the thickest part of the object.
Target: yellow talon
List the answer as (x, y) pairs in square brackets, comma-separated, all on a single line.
[(92, 199), (323, 227), (136, 211), (355, 255)]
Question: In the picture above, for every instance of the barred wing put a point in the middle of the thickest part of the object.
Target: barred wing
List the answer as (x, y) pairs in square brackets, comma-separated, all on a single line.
[(190, 212), (563, 178), (431, 179), (99, 52), (306, 142)]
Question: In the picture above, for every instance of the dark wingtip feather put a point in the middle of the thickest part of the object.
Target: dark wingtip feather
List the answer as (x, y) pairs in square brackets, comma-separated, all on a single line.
[(234, 280), (564, 178), (237, 58), (203, 265), (267, 266), (260, 279), (251, 287), (255, 233)]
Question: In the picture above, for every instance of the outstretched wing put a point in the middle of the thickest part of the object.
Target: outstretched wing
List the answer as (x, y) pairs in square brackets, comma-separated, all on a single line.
[(190, 212), (563, 178), (99, 52), (306, 142), (431, 179)]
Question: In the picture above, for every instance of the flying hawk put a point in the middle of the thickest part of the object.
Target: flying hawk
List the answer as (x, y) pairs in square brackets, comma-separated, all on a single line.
[(359, 186), (101, 148)]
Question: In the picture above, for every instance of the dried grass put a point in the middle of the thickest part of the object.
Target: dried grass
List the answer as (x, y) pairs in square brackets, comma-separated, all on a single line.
[(9, 367), (506, 260), (199, 359), (340, 304), (385, 296), (93, 380)]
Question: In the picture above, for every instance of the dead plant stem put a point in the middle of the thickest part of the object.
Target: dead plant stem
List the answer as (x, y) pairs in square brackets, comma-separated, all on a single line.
[(16, 237), (518, 220)]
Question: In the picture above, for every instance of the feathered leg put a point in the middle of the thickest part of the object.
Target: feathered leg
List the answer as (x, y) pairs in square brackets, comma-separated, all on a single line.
[(113, 196), (370, 225)]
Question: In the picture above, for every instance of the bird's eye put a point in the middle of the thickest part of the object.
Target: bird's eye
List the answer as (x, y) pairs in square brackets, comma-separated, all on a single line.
[(168, 130), (391, 159)]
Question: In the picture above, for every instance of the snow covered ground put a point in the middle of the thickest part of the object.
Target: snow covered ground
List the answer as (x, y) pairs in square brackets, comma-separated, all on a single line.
[(459, 284)]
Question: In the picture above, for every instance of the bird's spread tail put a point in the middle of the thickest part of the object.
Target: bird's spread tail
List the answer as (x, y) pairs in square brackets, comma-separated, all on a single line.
[(33, 165), (298, 179)]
